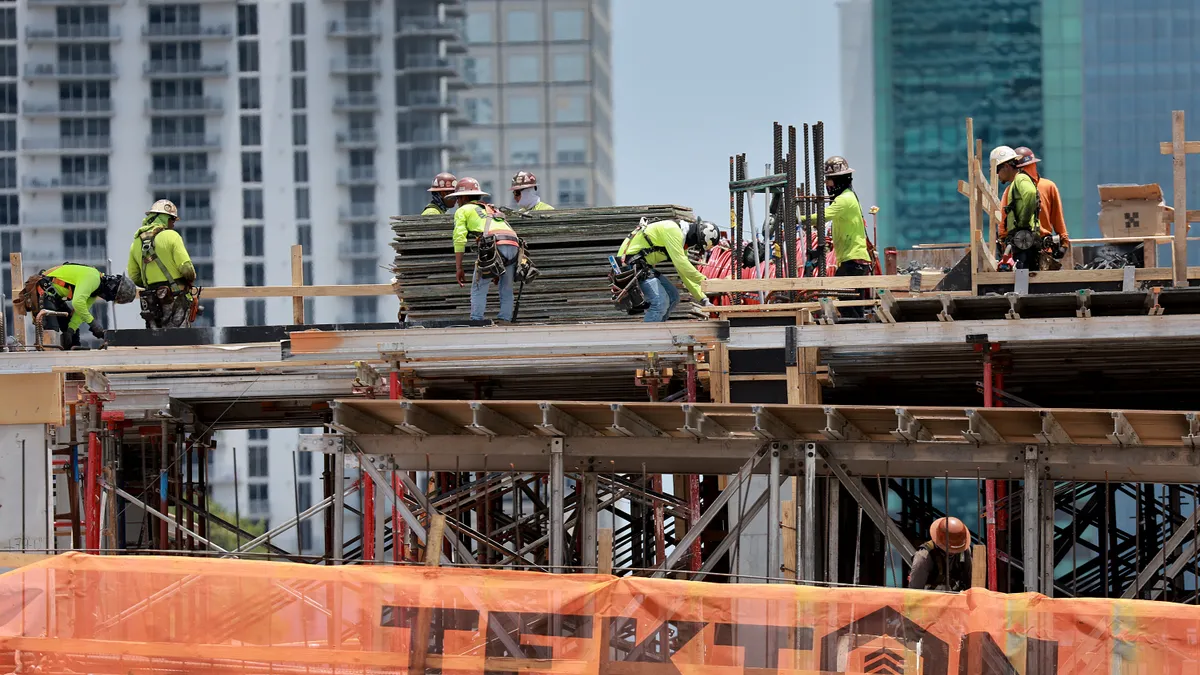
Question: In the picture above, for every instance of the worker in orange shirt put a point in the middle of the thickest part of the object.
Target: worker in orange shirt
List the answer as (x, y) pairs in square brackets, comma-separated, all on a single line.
[(1050, 214)]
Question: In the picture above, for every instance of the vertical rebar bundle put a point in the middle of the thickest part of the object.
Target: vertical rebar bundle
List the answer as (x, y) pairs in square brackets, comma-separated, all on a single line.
[(819, 195), (808, 203), (789, 219), (738, 242), (734, 217)]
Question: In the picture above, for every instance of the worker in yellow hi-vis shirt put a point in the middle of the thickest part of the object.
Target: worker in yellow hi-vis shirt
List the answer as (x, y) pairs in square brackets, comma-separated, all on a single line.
[(159, 262), (73, 289), (658, 242), (525, 193)]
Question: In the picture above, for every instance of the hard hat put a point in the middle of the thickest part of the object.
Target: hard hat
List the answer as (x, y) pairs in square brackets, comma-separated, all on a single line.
[(1003, 154), (701, 235), (165, 207), (1027, 157), (837, 166), (443, 182), (120, 286), (467, 187), (523, 180), (953, 529)]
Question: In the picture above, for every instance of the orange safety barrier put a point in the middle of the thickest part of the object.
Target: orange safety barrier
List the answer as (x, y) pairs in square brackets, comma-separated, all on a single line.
[(130, 614)]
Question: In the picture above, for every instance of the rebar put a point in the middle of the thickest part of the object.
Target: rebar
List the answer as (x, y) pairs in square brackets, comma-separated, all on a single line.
[(778, 148), (808, 204), (740, 174), (790, 203), (39, 331), (819, 194)]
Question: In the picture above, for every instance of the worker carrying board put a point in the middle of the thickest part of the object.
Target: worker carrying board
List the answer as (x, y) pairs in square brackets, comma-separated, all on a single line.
[(500, 252), (525, 193), (440, 203), (159, 262), (638, 286), (944, 562), (69, 291)]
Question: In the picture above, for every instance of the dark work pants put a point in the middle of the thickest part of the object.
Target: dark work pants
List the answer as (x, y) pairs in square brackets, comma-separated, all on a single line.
[(1029, 259), (855, 268), (54, 303)]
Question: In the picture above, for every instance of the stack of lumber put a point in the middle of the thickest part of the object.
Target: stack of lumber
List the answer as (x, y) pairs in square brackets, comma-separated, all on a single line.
[(569, 246)]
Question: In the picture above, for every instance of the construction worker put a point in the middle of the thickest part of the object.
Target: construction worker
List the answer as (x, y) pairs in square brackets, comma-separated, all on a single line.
[(850, 245), (944, 562), (73, 289), (657, 242), (439, 203), (497, 245), (159, 263), (1051, 215), (525, 193), (1020, 231)]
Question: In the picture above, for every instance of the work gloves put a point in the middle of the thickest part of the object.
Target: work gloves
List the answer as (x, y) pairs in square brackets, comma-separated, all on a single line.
[(97, 331)]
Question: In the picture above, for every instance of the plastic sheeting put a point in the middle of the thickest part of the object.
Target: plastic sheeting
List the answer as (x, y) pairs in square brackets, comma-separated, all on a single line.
[(127, 614)]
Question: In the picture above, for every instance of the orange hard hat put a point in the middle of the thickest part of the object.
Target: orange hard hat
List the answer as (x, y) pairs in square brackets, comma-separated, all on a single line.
[(950, 534)]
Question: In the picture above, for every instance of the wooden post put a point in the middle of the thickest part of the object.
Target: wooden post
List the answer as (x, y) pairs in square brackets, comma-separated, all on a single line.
[(994, 224), (718, 373), (298, 280), (1179, 161), (979, 566), (18, 282), (604, 561), (788, 517), (973, 198), (433, 558)]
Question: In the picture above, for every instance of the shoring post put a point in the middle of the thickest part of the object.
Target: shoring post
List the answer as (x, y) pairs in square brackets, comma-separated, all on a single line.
[(588, 523), (809, 547), (163, 485), (92, 487), (339, 506), (989, 487), (557, 485), (774, 522), (399, 527), (368, 515), (834, 496), (1030, 521), (693, 479)]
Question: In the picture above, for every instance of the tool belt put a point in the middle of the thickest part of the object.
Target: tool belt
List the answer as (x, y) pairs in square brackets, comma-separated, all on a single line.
[(626, 284), (527, 273), (1024, 239)]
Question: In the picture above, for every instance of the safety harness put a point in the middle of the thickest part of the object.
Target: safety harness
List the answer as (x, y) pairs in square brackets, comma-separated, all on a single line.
[(1022, 235), (489, 264), (150, 255), (957, 562), (626, 278)]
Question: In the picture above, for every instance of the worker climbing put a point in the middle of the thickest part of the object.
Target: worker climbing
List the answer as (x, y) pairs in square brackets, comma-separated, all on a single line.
[(525, 193), (649, 245), (159, 262), (1020, 233), (497, 246), (440, 201), (851, 246), (71, 290), (944, 562)]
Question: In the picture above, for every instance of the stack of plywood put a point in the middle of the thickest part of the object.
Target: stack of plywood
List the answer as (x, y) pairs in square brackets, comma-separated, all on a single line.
[(570, 246)]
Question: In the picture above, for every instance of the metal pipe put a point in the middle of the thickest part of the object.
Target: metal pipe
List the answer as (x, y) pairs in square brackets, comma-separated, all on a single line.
[(1030, 521), (990, 485), (339, 506), (773, 520), (557, 486), (588, 525), (368, 516), (809, 549), (92, 488), (162, 490), (164, 518)]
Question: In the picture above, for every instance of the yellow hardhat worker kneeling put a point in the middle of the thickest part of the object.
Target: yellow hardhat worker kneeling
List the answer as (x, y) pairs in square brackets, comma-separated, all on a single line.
[(69, 291), (159, 262), (944, 562)]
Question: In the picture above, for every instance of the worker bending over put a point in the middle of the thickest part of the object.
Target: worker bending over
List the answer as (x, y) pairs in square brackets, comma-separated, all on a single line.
[(849, 228), (73, 289), (159, 262), (525, 193), (944, 562), (649, 245), (440, 203), (1020, 227), (497, 245)]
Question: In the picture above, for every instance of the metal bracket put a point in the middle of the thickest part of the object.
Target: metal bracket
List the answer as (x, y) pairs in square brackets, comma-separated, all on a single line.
[(947, 313), (979, 430), (1085, 304), (1052, 432), (1123, 432), (1021, 285), (1192, 440), (768, 426), (1152, 306), (914, 283), (628, 423), (555, 422), (1014, 304), (791, 338), (838, 428), (909, 429), (420, 422), (829, 313), (700, 425), (330, 444), (1128, 280), (488, 422)]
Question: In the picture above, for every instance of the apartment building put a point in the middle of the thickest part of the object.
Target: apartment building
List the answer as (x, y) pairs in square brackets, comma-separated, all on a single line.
[(541, 98)]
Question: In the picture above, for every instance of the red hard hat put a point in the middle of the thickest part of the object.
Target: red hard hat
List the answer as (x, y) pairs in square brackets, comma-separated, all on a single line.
[(443, 182), (522, 180), (1026, 157), (467, 187)]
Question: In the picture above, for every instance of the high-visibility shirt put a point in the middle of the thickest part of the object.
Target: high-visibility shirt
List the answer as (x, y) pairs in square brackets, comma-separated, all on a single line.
[(77, 284), (665, 237), (1051, 217), (1021, 205), (542, 206), (169, 248), (470, 220), (849, 228), (434, 209)]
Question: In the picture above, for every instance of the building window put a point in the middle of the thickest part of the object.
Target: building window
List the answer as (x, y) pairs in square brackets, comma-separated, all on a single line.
[(479, 110), (304, 536), (480, 152), (252, 204), (252, 171), (9, 207), (258, 460), (86, 245), (524, 110), (568, 24), (366, 309), (256, 312), (304, 466), (524, 68), (252, 242), (570, 68), (300, 166), (297, 18), (521, 25), (247, 20), (260, 503), (572, 192), (363, 272), (8, 172), (8, 98), (255, 274), (478, 70), (198, 241), (248, 93), (570, 150), (302, 204), (479, 27), (571, 108), (299, 130), (299, 63), (8, 61), (248, 56), (304, 238), (525, 152), (8, 21), (251, 130)]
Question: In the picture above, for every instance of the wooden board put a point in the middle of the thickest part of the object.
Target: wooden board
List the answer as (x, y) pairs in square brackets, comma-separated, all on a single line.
[(31, 399), (895, 282), (342, 291)]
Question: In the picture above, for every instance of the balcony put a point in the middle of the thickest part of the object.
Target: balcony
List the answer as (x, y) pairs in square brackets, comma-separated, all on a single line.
[(84, 3), (358, 212), (355, 28), (176, 105), (99, 70), (72, 144), (63, 219), (71, 181), (429, 26), (356, 102), (183, 142), (81, 33), (357, 138), (455, 8), (182, 179), (69, 108), (355, 65), (197, 215), (429, 101), (359, 248), (427, 64), (357, 175), (170, 31), (170, 68)]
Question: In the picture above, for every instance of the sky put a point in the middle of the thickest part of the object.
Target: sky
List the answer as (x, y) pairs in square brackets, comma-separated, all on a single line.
[(695, 81)]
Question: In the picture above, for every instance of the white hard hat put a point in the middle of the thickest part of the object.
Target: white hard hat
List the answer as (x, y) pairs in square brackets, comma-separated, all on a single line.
[(1003, 154)]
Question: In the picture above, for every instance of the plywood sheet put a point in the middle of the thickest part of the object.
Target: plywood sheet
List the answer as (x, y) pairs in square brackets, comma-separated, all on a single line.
[(34, 398)]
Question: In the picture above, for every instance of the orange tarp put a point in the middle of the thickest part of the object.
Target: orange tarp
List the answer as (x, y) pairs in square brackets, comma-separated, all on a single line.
[(130, 614)]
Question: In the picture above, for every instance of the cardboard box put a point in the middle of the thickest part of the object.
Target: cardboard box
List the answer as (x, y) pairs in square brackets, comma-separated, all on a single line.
[(1132, 211)]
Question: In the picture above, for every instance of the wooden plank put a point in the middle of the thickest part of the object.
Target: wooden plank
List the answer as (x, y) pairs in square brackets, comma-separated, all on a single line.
[(979, 566), (789, 538), (35, 398), (298, 280), (895, 282), (993, 217), (1179, 163), (433, 558), (973, 197), (1189, 148), (983, 252), (1078, 276), (763, 377), (18, 282), (342, 291), (605, 554), (793, 385), (718, 376)]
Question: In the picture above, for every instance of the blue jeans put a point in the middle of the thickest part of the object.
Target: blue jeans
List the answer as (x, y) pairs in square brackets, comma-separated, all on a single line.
[(479, 288), (662, 296)]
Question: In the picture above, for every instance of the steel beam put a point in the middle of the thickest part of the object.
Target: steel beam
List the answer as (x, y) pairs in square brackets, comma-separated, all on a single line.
[(557, 487), (808, 551), (774, 522), (872, 508), (587, 522), (733, 536), (1031, 522), (1156, 563)]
